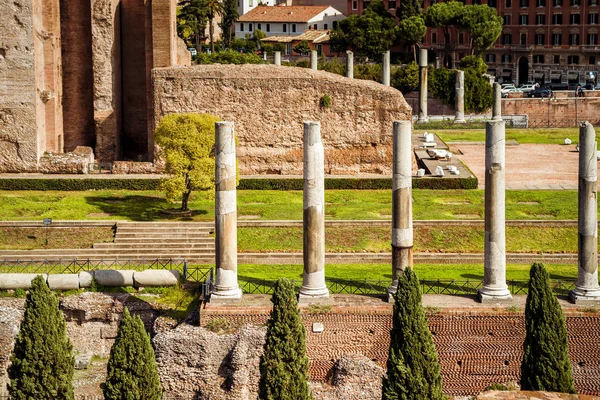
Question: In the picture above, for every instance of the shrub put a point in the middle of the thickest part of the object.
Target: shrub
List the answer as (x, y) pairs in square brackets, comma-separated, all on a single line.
[(325, 101), (335, 66), (284, 364), (546, 365), (406, 78), (42, 362), (413, 371), (229, 57), (302, 48), (131, 371)]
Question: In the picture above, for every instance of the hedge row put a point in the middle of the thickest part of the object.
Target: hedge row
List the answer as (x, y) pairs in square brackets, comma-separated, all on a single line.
[(245, 184)]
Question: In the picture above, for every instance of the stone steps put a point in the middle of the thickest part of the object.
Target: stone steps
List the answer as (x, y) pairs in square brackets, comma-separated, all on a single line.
[(142, 244), (160, 241)]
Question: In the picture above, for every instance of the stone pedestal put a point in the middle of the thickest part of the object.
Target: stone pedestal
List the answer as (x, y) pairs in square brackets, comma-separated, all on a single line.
[(313, 60), (385, 69), (226, 284), (459, 117), (313, 282), (587, 288), (349, 64), (423, 117), (494, 277), (402, 227), (277, 58)]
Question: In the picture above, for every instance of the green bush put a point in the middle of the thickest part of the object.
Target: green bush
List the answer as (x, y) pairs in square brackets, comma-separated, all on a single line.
[(131, 371), (370, 72), (335, 65), (79, 184), (406, 78), (325, 101), (228, 57), (42, 362)]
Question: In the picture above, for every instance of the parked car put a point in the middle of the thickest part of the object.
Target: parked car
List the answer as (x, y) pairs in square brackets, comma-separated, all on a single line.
[(507, 88), (540, 92), (513, 90), (589, 86), (526, 88)]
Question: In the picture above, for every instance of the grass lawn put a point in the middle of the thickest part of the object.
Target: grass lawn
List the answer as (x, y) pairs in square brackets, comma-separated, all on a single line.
[(281, 205), (523, 136)]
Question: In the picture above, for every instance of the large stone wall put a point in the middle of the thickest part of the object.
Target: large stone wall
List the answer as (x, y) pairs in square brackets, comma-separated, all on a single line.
[(268, 105), (559, 112)]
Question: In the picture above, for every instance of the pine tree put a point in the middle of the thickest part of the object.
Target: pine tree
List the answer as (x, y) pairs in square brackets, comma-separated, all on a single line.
[(413, 371), (284, 363), (409, 8), (42, 362), (546, 365), (132, 373)]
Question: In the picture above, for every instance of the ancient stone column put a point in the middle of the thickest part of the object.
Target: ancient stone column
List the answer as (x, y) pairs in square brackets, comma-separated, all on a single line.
[(423, 117), (277, 58), (494, 276), (313, 283), (226, 285), (586, 288), (349, 64), (459, 118), (385, 69), (402, 229), (313, 60), (497, 102)]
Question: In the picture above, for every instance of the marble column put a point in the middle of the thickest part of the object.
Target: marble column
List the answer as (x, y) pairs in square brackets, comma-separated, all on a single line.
[(349, 64), (277, 58), (423, 117), (226, 285), (497, 102), (313, 60), (385, 69), (313, 282), (459, 117)]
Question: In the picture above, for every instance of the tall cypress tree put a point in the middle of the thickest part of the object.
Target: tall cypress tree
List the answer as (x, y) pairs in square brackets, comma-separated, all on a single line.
[(132, 373), (546, 365), (42, 362), (413, 371), (409, 8), (284, 363)]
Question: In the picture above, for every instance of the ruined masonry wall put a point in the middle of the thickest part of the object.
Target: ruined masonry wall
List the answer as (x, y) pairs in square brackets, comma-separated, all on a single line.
[(268, 105)]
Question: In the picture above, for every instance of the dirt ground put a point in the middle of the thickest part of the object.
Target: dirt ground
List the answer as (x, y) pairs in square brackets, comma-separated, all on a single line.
[(528, 166)]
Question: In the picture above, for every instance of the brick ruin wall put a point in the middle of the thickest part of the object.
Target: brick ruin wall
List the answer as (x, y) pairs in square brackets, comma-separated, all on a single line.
[(561, 111), (268, 105)]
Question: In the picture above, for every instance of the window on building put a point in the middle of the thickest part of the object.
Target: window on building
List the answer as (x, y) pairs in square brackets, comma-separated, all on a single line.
[(334, 24), (557, 3), (268, 27), (523, 3), (250, 29), (557, 39), (524, 19), (575, 19), (251, 3), (508, 3), (285, 27), (325, 26), (392, 4), (354, 4), (523, 38), (592, 60), (476, 1), (574, 39), (492, 3), (556, 19), (319, 49), (507, 38), (366, 4), (538, 59), (490, 58), (575, 2), (540, 3), (461, 38), (241, 27), (573, 60), (557, 60), (540, 19), (593, 2), (592, 38), (507, 19), (259, 27), (506, 58), (293, 27), (540, 39), (592, 18), (315, 27), (433, 37)]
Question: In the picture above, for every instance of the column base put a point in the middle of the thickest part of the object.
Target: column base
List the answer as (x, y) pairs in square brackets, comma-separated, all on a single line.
[(487, 296), (226, 295), (578, 296), (391, 292), (460, 121), (308, 295), (422, 120)]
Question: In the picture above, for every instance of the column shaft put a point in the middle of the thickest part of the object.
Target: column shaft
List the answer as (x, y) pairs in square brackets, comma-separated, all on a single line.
[(587, 288), (349, 64), (226, 285), (423, 117), (313, 282), (277, 58), (497, 102), (385, 69), (459, 117), (494, 277), (402, 226), (313, 60)]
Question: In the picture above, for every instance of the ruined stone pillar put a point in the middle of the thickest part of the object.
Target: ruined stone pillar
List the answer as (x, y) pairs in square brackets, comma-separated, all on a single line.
[(226, 285), (494, 276), (313, 282), (313, 60), (349, 64), (586, 288), (277, 58), (423, 117), (497, 102), (459, 118), (385, 69), (402, 227)]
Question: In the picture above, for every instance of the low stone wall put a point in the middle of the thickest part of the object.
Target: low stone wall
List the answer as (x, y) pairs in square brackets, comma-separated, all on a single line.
[(75, 162), (558, 112), (268, 105)]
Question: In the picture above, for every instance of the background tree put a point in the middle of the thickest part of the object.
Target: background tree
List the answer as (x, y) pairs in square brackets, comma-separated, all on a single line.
[(302, 47), (42, 362), (186, 144), (412, 31), (483, 24), (413, 371), (444, 15), (131, 371), (546, 365), (284, 363), (478, 91), (409, 8), (406, 78), (191, 22), (212, 9), (228, 18), (371, 34)]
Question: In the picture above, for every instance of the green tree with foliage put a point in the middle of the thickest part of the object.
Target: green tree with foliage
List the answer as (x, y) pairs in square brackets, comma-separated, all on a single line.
[(371, 34), (132, 373), (186, 144), (444, 15), (284, 363), (409, 8), (412, 30), (478, 91), (413, 370), (483, 25), (546, 365), (42, 362), (406, 78), (302, 48), (228, 18), (191, 22), (212, 9)]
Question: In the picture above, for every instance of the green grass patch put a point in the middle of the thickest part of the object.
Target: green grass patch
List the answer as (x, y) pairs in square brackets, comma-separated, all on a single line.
[(521, 135)]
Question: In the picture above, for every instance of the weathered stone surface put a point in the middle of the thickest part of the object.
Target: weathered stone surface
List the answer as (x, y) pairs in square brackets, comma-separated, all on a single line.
[(132, 167), (268, 105), (11, 313), (52, 163)]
